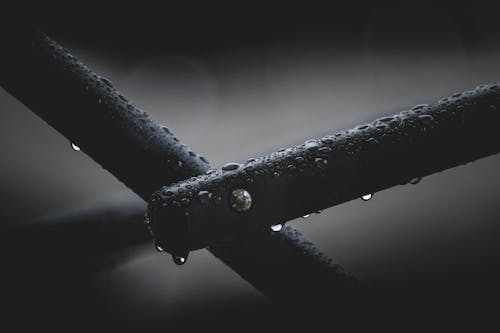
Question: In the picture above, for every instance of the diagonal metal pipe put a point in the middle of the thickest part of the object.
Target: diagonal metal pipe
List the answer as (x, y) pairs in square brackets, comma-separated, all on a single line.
[(144, 155)]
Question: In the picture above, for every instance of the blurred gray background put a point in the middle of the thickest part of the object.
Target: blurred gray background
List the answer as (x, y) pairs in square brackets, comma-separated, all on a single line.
[(249, 98)]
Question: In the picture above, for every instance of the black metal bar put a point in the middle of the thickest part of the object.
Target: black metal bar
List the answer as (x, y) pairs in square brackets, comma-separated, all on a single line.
[(319, 277), (321, 173), (92, 114), (127, 142), (114, 228)]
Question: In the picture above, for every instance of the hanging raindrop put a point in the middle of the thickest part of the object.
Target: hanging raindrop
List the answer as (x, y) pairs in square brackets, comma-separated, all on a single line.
[(75, 147), (276, 227), (415, 181), (367, 197), (178, 260)]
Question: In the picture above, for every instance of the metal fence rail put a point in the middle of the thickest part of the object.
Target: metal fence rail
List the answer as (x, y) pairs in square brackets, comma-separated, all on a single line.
[(231, 210), (92, 114), (318, 174)]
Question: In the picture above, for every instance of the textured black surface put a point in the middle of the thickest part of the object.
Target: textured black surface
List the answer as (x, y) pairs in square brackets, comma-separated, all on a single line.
[(144, 155), (92, 114), (293, 182)]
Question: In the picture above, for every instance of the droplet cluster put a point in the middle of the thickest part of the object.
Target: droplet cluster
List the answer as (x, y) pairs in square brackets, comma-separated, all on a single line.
[(237, 187)]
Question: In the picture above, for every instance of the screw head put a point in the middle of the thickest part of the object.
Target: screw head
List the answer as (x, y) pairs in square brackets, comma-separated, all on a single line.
[(240, 200)]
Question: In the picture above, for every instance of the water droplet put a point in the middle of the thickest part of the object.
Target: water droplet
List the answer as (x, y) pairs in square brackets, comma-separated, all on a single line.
[(276, 174), (299, 159), (426, 119), (415, 180), (217, 199), (211, 171), (327, 141), (318, 211), (419, 106), (159, 247), (230, 166), (277, 227), (106, 82), (167, 193), (324, 150), (178, 260), (250, 160), (241, 200), (386, 119), (205, 197), (99, 101), (203, 159), (320, 163), (281, 150), (372, 141), (75, 147), (367, 197), (311, 144), (305, 216)]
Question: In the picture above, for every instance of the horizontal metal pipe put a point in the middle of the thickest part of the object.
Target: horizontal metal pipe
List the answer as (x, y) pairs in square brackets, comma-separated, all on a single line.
[(91, 113), (321, 173)]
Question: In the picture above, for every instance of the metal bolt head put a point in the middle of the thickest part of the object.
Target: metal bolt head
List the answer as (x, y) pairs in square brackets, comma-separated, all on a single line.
[(240, 200)]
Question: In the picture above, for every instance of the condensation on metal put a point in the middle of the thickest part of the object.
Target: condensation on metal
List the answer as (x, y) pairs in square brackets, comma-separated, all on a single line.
[(323, 172)]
